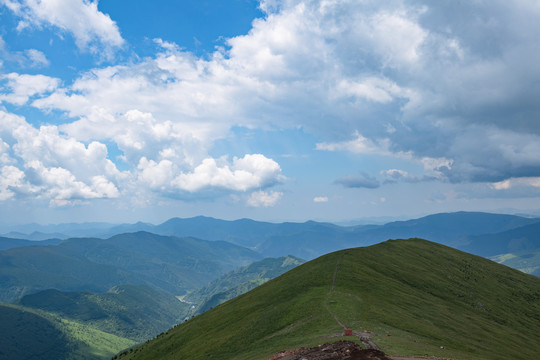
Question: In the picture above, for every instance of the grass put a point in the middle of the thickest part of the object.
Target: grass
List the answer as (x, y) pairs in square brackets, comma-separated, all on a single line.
[(407, 289)]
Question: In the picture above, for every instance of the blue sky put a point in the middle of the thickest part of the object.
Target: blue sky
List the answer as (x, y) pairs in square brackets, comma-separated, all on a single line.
[(273, 110)]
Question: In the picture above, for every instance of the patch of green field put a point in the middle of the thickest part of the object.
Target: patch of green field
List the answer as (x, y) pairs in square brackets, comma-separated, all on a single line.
[(527, 261), (93, 343)]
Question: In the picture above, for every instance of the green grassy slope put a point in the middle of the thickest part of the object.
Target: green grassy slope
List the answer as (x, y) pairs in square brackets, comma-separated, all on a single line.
[(29, 334), (254, 273), (133, 312), (429, 299)]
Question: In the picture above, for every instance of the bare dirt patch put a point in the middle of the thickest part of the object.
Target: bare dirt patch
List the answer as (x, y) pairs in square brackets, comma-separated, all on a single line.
[(340, 350)]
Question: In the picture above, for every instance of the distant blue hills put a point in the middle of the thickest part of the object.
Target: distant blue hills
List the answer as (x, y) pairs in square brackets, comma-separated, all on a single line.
[(480, 233)]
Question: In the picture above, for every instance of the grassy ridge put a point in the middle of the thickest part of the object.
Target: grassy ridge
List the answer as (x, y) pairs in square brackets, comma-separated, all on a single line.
[(424, 295), (240, 281), (253, 323)]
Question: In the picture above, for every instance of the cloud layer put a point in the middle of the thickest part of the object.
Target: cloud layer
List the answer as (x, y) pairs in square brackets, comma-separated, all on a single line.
[(449, 86)]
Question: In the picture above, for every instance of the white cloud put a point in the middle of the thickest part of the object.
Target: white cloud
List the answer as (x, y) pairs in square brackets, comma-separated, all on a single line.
[(359, 145), (36, 58), (92, 29), (320, 199), (251, 171), (62, 187), (11, 180), (372, 88), (397, 175), (5, 157), (54, 166), (264, 199), (243, 174), (519, 182), (29, 58), (22, 87), (397, 36)]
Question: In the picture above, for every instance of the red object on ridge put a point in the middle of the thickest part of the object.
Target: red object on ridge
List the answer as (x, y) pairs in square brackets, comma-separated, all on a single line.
[(348, 332)]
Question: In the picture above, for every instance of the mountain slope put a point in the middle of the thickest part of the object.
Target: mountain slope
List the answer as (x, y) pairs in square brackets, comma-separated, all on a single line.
[(30, 334), (416, 297), (239, 281), (133, 312), (172, 264), (521, 238)]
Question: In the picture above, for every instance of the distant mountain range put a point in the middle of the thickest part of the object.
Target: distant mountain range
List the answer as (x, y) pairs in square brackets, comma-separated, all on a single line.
[(408, 297), (171, 264), (469, 231)]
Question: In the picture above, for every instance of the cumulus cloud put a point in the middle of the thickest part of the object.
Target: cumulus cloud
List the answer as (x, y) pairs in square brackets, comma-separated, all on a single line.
[(320, 199), (397, 175), (359, 145), (36, 58), (18, 88), (358, 181), (251, 171), (5, 157), (264, 199), (48, 165), (92, 29), (12, 181), (510, 183)]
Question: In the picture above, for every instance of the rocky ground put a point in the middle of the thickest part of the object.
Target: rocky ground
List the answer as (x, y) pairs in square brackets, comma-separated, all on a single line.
[(335, 351)]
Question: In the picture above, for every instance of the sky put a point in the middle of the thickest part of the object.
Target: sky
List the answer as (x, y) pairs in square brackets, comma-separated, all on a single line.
[(276, 110)]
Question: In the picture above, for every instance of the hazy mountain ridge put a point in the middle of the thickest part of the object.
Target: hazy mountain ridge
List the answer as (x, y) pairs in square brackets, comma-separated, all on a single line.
[(7, 243), (168, 263), (468, 231), (522, 238)]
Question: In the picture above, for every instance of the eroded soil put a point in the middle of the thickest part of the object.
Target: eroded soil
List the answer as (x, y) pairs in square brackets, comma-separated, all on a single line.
[(335, 351)]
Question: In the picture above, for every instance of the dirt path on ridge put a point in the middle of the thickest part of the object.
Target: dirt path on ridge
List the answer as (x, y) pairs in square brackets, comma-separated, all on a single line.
[(342, 350), (364, 337)]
